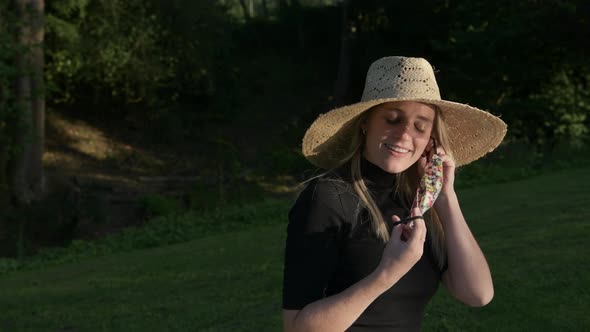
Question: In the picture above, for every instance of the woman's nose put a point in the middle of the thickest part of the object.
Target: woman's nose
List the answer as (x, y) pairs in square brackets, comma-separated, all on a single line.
[(403, 131)]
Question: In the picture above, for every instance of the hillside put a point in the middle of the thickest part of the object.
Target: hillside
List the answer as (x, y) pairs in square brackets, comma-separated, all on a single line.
[(533, 232)]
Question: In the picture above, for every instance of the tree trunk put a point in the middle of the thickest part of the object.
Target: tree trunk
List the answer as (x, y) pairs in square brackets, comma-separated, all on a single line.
[(36, 174), (283, 6), (245, 10), (265, 9), (251, 8), (343, 77), (4, 185), (26, 168), (296, 7), (20, 160)]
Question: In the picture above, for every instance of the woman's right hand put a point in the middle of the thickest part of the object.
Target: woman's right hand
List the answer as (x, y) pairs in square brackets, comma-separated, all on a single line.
[(404, 249)]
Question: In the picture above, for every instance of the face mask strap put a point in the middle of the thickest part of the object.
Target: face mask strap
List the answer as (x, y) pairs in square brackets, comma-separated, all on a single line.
[(428, 158)]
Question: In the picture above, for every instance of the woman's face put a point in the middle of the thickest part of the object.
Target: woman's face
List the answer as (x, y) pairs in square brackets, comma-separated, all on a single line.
[(397, 134)]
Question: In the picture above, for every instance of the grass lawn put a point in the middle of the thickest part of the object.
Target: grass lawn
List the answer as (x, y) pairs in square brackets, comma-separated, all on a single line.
[(533, 232)]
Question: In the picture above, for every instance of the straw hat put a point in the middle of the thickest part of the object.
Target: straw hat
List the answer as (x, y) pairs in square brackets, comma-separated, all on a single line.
[(472, 132)]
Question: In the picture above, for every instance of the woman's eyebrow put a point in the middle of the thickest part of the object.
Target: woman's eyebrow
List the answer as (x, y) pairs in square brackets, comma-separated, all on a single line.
[(393, 109), (399, 110), (424, 118)]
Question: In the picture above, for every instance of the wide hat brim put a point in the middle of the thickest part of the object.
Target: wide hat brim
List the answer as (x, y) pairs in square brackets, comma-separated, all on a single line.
[(472, 132)]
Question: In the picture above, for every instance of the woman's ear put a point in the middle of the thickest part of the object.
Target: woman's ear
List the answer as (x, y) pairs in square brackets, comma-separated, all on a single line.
[(430, 148), (363, 127)]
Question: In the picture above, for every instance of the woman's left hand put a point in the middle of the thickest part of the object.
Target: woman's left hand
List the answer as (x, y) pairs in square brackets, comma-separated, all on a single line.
[(448, 167)]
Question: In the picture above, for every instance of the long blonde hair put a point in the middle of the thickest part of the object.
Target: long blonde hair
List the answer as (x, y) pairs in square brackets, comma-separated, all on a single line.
[(406, 184)]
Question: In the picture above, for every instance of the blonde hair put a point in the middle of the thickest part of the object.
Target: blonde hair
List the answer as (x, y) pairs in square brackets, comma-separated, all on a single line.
[(406, 184)]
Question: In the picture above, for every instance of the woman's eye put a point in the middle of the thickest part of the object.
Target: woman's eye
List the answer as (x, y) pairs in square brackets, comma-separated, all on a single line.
[(420, 127), (392, 121)]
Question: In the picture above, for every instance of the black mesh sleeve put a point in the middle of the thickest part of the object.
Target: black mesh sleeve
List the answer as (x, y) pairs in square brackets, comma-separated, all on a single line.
[(312, 247)]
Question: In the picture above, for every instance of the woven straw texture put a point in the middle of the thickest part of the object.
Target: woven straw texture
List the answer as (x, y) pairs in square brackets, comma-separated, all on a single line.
[(472, 132)]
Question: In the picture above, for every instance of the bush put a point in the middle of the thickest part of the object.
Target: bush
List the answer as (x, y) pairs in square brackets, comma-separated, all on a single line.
[(160, 231), (154, 205)]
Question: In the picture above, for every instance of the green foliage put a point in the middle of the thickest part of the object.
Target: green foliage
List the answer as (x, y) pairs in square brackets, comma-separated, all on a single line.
[(566, 98), (187, 66), (157, 205), (194, 70), (160, 231), (223, 193), (166, 63), (51, 221), (243, 91), (507, 57), (246, 207), (285, 160), (107, 45), (511, 58), (134, 52)]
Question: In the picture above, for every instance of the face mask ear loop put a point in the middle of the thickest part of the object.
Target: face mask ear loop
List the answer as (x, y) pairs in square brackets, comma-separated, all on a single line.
[(434, 148)]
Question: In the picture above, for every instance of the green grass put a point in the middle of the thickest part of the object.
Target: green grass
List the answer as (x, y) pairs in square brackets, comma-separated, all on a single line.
[(226, 282), (533, 232)]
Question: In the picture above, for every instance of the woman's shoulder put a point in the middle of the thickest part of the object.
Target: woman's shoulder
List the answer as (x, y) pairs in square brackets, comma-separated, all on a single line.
[(329, 188), (330, 193)]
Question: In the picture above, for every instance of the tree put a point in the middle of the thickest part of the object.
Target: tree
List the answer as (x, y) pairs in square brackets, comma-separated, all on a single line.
[(246, 8), (26, 170), (35, 169), (343, 77)]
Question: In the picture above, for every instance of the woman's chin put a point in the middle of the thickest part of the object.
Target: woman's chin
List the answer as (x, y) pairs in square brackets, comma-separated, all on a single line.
[(394, 166), (395, 169), (393, 163)]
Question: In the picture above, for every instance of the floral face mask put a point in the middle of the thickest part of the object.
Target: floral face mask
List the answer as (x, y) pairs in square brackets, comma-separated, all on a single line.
[(429, 187), (431, 182)]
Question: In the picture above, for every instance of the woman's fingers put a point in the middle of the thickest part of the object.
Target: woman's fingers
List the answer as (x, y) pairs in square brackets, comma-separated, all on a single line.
[(406, 231), (418, 233), (397, 231), (422, 164), (401, 231), (415, 228), (403, 249), (429, 147), (419, 229), (415, 212), (447, 161)]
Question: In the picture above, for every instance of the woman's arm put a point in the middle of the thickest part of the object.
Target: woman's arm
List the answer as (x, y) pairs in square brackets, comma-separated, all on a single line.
[(338, 312), (468, 276)]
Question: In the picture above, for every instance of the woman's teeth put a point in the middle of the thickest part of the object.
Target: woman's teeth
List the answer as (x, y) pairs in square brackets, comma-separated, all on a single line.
[(396, 148)]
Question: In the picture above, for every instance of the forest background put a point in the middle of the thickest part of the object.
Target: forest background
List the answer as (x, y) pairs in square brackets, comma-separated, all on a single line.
[(150, 149), (212, 98)]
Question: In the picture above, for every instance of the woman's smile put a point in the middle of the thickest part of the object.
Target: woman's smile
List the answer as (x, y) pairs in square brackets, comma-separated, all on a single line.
[(396, 149)]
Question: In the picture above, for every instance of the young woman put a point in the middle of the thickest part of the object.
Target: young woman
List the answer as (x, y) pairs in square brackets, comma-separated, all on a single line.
[(350, 264)]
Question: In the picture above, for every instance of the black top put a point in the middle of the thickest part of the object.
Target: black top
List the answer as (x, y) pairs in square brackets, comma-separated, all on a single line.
[(324, 254)]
